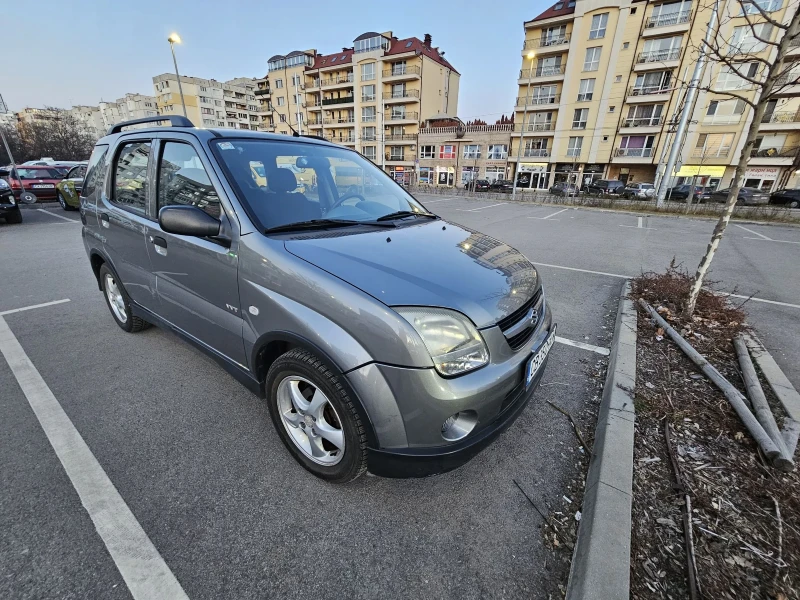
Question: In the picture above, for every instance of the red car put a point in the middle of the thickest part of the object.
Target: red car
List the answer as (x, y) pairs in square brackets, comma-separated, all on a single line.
[(38, 180)]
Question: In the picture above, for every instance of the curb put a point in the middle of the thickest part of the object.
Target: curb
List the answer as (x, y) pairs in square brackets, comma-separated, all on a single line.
[(601, 561), (39, 205)]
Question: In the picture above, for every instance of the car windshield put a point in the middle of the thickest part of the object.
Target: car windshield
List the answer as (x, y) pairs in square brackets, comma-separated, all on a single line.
[(282, 183), (39, 173)]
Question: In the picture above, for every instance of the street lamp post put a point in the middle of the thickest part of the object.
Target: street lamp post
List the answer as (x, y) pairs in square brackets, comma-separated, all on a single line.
[(173, 39), (531, 56)]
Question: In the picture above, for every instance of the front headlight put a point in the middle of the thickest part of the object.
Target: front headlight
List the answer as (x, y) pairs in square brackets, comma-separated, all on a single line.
[(454, 344), (3, 184)]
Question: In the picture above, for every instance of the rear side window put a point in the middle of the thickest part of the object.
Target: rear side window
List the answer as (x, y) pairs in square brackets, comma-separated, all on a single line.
[(182, 179), (95, 171), (130, 177)]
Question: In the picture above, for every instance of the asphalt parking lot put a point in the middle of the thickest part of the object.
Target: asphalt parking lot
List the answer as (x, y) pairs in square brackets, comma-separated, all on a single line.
[(195, 459)]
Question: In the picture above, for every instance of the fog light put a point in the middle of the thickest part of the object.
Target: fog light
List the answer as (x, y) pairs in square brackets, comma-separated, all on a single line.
[(459, 425)]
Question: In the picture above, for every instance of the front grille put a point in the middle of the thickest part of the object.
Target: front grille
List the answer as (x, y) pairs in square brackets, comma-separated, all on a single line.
[(518, 341), (513, 318), (521, 337)]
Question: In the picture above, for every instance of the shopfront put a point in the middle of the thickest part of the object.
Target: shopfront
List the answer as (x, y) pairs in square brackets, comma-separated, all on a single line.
[(762, 178), (401, 175), (591, 173), (566, 173), (703, 175), (532, 176)]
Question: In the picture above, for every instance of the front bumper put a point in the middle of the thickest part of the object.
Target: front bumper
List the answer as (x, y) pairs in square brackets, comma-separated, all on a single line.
[(407, 407)]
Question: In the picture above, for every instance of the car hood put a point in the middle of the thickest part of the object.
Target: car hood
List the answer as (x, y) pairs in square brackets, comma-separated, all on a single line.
[(429, 264)]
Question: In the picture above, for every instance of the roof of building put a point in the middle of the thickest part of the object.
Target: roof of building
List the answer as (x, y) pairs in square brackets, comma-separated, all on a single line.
[(332, 60), (562, 7), (367, 36), (276, 57), (413, 44), (295, 53)]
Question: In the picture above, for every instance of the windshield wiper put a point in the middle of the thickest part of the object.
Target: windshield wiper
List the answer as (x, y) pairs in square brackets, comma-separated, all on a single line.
[(322, 224), (405, 213)]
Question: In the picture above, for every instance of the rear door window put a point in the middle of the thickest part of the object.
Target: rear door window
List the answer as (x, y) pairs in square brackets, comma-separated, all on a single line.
[(130, 177), (183, 180), (95, 171)]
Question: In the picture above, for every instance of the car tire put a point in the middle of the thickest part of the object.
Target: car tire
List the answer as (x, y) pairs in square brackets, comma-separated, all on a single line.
[(793, 204), (292, 383), (14, 217), (118, 302), (63, 202)]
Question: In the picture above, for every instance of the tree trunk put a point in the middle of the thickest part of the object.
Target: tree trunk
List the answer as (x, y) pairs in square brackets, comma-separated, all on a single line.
[(744, 157)]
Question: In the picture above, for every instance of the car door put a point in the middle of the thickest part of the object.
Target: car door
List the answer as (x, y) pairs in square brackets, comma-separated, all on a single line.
[(196, 278), (122, 211)]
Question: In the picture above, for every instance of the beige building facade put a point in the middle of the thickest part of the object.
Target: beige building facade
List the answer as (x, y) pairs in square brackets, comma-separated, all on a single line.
[(600, 86), (209, 103)]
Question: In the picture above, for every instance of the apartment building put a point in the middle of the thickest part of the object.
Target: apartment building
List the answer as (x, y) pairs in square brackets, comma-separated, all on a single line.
[(454, 154), (281, 93), (601, 84), (91, 117), (209, 103)]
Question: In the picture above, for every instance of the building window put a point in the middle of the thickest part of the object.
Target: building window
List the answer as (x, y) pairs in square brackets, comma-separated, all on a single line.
[(281, 100), (203, 89), (426, 175), (574, 146), (399, 68), (724, 112), (661, 49), (368, 93), (369, 44), (636, 146), (497, 152), (472, 151), (368, 134), (447, 151), (279, 83), (626, 45), (369, 152), (208, 122), (591, 62), (398, 112), (368, 114), (207, 111), (643, 115), (495, 173), (598, 29), (730, 78), (468, 174), (295, 79), (750, 7), (368, 71), (579, 118), (747, 40), (585, 90), (427, 151)]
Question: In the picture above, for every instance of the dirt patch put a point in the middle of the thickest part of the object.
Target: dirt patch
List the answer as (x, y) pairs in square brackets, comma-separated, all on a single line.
[(742, 548)]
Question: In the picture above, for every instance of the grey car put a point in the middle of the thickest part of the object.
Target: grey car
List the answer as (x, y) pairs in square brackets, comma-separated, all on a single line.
[(382, 337)]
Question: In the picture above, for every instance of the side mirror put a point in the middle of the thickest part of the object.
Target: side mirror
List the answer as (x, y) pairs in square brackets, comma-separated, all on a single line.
[(188, 220)]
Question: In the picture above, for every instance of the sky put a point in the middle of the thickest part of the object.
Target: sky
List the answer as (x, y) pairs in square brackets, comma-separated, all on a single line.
[(84, 52)]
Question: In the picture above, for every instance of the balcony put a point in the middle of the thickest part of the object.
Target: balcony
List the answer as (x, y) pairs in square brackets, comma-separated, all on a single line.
[(339, 80), (673, 22), (399, 156), (341, 140), (337, 101), (400, 72), (648, 93), (260, 92), (780, 121), (535, 128), (787, 84), (546, 45), (545, 73), (721, 119), (313, 105), (406, 116), (657, 59), (317, 123), (401, 96), (535, 152), (344, 121), (398, 137), (634, 152), (537, 100), (314, 85), (640, 122), (773, 157), (707, 154)]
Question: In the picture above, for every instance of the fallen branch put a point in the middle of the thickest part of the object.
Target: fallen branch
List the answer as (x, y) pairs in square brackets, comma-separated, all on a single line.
[(530, 500), (779, 565), (790, 433), (734, 396), (574, 426), (757, 397), (691, 566)]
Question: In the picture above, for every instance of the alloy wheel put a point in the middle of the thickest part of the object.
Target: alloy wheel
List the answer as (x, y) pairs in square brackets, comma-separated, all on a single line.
[(310, 420), (115, 299)]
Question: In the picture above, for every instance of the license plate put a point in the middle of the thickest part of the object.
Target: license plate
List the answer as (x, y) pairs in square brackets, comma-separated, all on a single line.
[(38, 186), (535, 362)]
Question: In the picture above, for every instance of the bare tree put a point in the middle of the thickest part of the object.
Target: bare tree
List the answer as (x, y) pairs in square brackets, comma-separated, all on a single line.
[(764, 75), (57, 134)]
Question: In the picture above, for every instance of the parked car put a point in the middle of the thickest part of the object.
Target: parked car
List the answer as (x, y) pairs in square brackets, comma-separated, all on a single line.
[(790, 198), (605, 186), (39, 180), (502, 185), (481, 185), (68, 190), (747, 196), (639, 191), (381, 336), (681, 192), (9, 207), (564, 189)]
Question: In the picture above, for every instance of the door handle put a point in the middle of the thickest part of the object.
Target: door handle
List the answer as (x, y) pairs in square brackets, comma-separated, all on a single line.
[(104, 220), (160, 244)]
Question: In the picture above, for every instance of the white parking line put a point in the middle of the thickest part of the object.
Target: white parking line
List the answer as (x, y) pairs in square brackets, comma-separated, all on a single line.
[(550, 215), (47, 212), (16, 310), (770, 240), (482, 207), (538, 264), (439, 200), (145, 573), (598, 349), (763, 237), (760, 300)]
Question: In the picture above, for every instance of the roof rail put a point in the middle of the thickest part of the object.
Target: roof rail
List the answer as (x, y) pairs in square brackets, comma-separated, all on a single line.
[(175, 121)]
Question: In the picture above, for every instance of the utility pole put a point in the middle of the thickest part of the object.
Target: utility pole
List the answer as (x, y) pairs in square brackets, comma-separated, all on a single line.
[(531, 56), (688, 107), (176, 39)]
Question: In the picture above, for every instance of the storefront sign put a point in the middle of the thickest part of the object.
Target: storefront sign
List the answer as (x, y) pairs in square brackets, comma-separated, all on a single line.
[(566, 168), (707, 170), (593, 169), (532, 167), (762, 173)]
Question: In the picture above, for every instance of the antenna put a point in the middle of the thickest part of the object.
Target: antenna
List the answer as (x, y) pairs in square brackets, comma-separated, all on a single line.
[(283, 120)]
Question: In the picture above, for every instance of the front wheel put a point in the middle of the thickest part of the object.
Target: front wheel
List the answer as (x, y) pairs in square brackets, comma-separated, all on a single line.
[(118, 303), (793, 204), (63, 202), (315, 417)]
